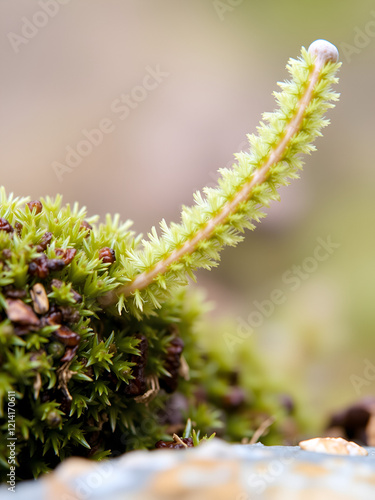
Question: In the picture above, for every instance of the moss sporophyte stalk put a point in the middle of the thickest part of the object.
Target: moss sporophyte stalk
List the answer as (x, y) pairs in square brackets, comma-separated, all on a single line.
[(100, 341)]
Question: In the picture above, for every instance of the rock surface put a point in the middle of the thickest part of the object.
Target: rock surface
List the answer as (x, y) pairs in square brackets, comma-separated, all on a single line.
[(213, 471)]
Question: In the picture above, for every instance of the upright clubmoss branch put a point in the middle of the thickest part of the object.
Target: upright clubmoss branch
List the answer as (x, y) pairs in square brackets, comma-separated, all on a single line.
[(299, 119), (81, 375)]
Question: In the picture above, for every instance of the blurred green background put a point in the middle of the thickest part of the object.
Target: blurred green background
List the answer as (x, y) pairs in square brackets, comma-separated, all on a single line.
[(223, 59)]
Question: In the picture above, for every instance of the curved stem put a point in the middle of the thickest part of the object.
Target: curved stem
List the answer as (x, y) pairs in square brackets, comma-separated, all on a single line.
[(259, 176)]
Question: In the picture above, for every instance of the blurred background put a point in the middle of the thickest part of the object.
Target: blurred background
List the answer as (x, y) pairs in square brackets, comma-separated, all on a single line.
[(68, 69)]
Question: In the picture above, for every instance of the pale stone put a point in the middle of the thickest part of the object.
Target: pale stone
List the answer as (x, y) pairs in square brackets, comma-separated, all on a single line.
[(334, 446)]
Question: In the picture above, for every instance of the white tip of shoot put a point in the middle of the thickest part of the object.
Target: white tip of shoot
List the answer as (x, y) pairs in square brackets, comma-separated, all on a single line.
[(324, 50)]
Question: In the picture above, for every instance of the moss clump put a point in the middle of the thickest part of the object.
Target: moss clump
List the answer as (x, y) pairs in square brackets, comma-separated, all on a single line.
[(87, 381)]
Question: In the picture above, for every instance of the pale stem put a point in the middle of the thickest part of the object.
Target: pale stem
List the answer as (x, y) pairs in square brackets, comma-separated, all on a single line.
[(259, 176)]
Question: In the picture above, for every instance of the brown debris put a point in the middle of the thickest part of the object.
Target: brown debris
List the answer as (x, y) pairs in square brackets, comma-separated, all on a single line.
[(69, 314), (38, 267), (7, 253), (353, 422), (44, 242), (21, 313), (172, 364), (23, 329), (234, 398), (41, 266), (86, 226), (18, 227), (14, 293), (67, 336), (152, 383), (55, 264), (69, 354), (54, 316), (39, 298), (61, 314), (5, 226), (177, 443), (107, 255), (66, 254), (63, 377), (35, 205), (76, 296)]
